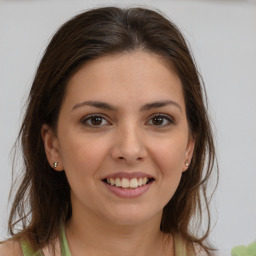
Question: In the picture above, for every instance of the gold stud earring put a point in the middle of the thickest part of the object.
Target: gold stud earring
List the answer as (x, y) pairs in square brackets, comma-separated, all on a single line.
[(55, 164), (186, 163)]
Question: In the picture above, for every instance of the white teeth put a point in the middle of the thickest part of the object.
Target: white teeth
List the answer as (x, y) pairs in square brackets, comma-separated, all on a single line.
[(133, 183), (112, 182), (118, 182), (126, 183), (144, 181)]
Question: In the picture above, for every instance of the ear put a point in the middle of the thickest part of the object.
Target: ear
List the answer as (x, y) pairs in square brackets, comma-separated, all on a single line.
[(51, 146), (189, 152)]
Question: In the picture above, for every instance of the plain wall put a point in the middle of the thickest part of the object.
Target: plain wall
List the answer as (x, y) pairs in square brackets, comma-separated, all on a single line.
[(222, 35)]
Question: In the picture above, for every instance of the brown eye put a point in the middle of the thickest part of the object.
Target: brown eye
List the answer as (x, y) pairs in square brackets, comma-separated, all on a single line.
[(158, 120), (161, 120), (94, 120)]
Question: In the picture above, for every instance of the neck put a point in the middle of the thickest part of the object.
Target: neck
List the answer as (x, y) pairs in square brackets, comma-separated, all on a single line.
[(88, 234)]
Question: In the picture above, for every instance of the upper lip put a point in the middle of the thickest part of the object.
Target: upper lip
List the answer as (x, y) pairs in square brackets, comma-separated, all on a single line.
[(128, 175)]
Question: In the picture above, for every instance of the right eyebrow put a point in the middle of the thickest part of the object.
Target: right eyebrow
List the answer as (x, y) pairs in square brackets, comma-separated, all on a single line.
[(96, 104)]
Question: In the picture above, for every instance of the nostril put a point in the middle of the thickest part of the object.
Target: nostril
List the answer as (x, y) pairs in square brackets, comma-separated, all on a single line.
[(123, 158)]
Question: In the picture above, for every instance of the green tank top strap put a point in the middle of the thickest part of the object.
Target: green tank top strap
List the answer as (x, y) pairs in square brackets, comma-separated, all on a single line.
[(28, 250), (64, 243), (181, 247)]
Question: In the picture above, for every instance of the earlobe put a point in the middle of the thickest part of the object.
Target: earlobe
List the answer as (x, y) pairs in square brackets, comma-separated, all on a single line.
[(189, 153), (51, 147)]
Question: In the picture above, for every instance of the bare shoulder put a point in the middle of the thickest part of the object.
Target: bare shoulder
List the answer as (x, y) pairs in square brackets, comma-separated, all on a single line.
[(10, 248)]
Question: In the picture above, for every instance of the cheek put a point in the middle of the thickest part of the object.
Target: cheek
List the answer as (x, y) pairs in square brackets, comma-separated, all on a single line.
[(170, 166), (170, 156), (82, 155), (81, 163)]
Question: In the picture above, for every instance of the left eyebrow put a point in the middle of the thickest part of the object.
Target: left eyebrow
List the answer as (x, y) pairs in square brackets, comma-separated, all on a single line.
[(159, 104)]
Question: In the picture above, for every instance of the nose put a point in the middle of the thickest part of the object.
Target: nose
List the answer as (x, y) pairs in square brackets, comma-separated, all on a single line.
[(129, 146)]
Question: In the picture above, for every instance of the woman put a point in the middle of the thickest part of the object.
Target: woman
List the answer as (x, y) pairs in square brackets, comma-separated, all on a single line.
[(115, 140)]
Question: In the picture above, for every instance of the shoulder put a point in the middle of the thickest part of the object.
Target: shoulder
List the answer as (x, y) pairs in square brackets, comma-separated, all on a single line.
[(10, 248)]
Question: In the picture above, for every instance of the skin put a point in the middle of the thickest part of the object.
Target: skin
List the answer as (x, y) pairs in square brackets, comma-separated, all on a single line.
[(126, 139)]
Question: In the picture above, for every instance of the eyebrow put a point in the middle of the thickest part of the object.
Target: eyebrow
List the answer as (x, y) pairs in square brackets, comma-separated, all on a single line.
[(107, 106), (96, 104), (159, 104)]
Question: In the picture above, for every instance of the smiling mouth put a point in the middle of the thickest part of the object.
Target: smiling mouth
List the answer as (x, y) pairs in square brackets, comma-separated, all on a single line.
[(128, 183)]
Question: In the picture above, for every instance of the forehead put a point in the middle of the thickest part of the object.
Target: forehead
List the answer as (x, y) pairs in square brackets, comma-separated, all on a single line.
[(136, 75)]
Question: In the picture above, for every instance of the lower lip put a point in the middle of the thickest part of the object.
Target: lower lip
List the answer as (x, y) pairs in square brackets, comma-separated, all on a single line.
[(128, 192)]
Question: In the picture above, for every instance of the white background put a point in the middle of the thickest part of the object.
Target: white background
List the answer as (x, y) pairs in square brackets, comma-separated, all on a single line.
[(222, 35)]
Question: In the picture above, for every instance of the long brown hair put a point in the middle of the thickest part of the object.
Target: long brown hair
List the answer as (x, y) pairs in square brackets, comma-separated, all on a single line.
[(42, 201)]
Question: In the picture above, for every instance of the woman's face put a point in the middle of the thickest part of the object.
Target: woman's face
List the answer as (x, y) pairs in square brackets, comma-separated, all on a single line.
[(122, 137)]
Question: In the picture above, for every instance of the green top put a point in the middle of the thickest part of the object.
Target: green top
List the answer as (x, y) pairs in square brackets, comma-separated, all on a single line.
[(64, 243), (249, 250), (179, 245), (28, 250)]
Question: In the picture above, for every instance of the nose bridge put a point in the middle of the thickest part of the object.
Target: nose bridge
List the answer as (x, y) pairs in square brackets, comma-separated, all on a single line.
[(129, 143)]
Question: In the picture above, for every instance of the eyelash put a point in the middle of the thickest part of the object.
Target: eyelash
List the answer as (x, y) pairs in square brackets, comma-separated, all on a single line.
[(87, 119)]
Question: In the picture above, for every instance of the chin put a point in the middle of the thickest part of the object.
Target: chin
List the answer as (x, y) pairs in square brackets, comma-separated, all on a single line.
[(131, 216)]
